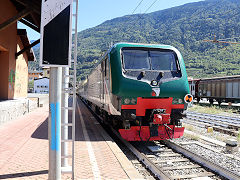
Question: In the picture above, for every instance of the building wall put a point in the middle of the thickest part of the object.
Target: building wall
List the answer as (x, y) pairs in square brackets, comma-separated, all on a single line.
[(21, 73), (4, 55), (41, 85), (8, 39), (13, 72)]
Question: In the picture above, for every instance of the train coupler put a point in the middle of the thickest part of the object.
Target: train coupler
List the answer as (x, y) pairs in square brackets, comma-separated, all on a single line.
[(161, 119), (126, 124), (153, 130), (143, 133)]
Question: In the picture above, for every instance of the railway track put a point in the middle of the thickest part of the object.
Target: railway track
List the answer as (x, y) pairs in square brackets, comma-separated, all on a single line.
[(225, 124), (234, 107), (167, 160), (165, 163)]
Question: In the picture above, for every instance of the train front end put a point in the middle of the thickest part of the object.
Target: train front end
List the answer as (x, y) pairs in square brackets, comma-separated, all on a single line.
[(150, 89)]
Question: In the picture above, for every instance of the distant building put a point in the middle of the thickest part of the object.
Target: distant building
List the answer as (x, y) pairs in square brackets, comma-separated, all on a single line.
[(34, 75), (41, 85)]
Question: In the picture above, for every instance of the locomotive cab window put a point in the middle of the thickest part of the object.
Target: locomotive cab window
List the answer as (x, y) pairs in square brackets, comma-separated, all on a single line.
[(135, 59), (163, 61), (155, 60)]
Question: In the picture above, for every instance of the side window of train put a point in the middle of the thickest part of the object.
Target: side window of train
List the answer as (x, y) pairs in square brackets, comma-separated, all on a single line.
[(103, 67), (107, 68)]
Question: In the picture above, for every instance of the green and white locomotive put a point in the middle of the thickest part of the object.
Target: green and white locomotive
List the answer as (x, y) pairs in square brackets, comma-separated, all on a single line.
[(140, 90)]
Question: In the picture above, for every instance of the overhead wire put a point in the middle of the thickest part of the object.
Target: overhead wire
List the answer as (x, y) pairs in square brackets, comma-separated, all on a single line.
[(137, 6), (151, 5)]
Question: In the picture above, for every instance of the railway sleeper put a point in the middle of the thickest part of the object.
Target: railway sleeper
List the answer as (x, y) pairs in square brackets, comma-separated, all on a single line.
[(171, 161), (203, 174), (181, 167), (223, 130)]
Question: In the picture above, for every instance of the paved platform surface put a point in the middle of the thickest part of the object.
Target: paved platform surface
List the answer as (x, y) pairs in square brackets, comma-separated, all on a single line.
[(24, 149)]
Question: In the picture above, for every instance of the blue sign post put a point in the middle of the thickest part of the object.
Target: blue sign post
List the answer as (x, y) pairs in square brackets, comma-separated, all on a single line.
[(54, 123), (55, 52)]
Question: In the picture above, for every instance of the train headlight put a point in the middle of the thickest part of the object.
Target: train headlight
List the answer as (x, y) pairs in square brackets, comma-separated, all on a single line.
[(177, 101), (133, 101), (180, 101), (154, 83), (127, 101)]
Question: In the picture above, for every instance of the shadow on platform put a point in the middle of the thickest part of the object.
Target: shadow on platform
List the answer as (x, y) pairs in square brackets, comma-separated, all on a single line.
[(42, 131), (23, 174)]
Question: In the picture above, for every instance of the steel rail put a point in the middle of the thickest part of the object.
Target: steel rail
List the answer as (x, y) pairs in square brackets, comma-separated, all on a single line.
[(213, 116), (235, 123), (144, 159), (204, 162), (158, 172), (141, 157)]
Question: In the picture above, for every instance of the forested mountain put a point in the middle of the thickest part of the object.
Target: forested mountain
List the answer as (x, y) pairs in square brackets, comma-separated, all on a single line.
[(35, 64), (183, 27)]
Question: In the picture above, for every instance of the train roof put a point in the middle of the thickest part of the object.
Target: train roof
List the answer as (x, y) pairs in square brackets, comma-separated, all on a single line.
[(217, 78), (129, 44)]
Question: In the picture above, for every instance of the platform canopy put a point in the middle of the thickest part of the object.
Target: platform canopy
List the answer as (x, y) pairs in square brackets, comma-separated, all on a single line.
[(29, 13)]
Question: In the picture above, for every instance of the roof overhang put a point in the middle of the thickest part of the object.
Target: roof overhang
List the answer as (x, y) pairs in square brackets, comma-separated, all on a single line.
[(32, 18), (22, 33)]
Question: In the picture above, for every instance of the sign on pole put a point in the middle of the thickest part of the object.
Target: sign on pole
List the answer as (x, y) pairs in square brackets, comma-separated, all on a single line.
[(55, 52), (56, 33)]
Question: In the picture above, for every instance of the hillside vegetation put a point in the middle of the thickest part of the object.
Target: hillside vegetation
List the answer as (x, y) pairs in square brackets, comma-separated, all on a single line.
[(183, 27)]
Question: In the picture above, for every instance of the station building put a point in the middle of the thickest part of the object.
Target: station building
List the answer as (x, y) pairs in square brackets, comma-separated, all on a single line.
[(41, 85), (15, 48)]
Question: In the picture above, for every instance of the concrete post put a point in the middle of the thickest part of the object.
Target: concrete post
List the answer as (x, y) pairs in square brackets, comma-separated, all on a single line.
[(64, 147), (54, 124)]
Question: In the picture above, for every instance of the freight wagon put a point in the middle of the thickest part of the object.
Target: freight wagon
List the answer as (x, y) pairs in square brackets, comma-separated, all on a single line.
[(220, 89)]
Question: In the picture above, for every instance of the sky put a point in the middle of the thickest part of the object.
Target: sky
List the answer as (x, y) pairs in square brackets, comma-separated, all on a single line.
[(94, 12)]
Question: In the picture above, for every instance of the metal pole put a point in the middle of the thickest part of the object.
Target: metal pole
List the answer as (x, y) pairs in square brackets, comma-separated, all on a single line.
[(64, 132), (74, 88), (54, 123)]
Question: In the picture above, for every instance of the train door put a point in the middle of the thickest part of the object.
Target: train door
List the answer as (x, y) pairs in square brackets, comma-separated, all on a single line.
[(197, 90), (238, 88), (229, 89), (235, 89), (192, 88), (102, 82), (105, 81)]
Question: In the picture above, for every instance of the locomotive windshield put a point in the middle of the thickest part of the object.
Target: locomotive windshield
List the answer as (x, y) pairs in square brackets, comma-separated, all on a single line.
[(134, 59), (149, 60), (163, 61)]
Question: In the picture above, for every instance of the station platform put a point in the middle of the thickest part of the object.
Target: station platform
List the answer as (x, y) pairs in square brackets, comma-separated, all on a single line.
[(24, 149)]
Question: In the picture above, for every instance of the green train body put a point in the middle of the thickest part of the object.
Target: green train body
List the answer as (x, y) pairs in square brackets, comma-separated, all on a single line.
[(140, 89)]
